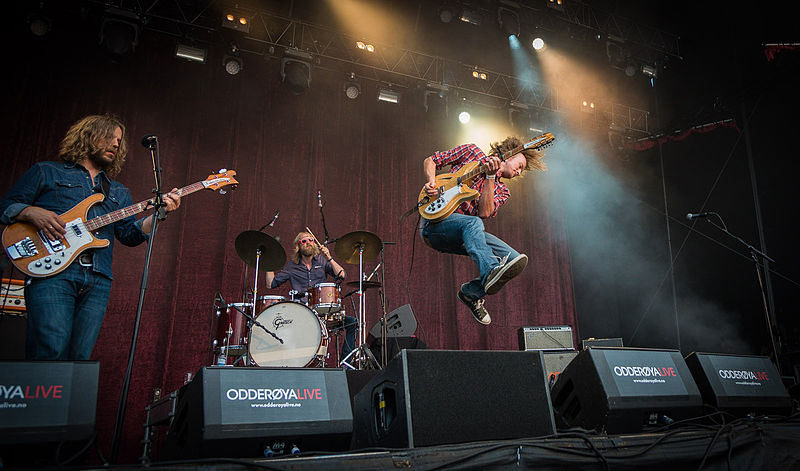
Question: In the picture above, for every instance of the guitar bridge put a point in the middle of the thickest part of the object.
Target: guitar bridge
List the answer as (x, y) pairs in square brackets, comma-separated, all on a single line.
[(24, 248)]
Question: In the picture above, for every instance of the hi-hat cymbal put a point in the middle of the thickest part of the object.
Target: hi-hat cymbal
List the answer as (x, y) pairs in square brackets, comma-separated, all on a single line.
[(347, 247), (273, 257), (365, 284)]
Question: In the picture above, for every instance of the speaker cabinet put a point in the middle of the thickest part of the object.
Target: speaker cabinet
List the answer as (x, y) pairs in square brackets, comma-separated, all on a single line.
[(433, 397), (620, 390), (253, 412), (741, 385), (47, 401), (554, 364), (552, 337)]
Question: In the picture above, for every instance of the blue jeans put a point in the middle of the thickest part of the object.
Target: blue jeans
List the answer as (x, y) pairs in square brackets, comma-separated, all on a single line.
[(65, 312), (350, 328), (465, 235)]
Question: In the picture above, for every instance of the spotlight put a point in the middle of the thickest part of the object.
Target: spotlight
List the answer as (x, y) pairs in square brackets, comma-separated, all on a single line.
[(471, 17), (365, 46), (389, 95), (447, 12), (39, 22), (538, 44), (557, 5), (236, 20), (296, 70), (191, 54), (630, 70), (351, 87), (587, 106), (508, 20), (479, 75), (233, 63), (119, 31), (650, 71), (464, 117)]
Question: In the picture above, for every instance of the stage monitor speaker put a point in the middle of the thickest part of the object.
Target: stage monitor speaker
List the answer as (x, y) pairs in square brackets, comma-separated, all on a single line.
[(399, 323), (394, 345), (620, 390), (554, 364), (256, 412), (434, 397), (47, 401), (553, 337), (739, 384)]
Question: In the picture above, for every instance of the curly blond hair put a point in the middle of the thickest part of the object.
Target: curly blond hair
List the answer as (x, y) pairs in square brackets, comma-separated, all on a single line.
[(87, 137), (533, 157)]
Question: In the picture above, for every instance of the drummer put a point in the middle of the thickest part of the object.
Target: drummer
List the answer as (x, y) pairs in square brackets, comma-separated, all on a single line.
[(311, 264)]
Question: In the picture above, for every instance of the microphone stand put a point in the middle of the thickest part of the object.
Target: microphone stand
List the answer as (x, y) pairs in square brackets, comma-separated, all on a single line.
[(754, 254), (159, 214), (324, 227)]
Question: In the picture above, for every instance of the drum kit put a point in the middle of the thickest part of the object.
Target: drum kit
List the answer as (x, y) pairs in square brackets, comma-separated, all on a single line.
[(276, 331)]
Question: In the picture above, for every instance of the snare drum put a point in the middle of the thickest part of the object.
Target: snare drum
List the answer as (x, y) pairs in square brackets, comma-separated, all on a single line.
[(230, 340), (325, 298), (267, 301), (305, 339)]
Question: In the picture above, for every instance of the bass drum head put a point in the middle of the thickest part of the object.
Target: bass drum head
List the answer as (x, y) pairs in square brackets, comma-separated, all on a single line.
[(298, 327)]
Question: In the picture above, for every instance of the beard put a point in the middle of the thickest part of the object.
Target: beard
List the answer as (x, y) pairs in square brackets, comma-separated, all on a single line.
[(100, 160), (307, 250)]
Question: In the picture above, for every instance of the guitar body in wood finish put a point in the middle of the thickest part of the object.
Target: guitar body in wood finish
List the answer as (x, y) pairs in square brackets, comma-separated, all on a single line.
[(452, 192)]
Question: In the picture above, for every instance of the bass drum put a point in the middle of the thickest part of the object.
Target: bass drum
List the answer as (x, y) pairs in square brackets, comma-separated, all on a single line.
[(305, 339)]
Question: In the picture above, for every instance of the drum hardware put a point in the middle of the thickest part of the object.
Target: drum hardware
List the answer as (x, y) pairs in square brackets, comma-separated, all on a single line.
[(325, 298), (360, 247), (262, 252)]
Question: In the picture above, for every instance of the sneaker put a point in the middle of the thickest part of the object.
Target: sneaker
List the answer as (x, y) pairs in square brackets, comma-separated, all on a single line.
[(502, 273), (478, 311)]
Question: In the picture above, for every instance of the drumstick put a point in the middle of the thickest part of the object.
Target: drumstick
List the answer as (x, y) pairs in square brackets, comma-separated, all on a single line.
[(312, 235)]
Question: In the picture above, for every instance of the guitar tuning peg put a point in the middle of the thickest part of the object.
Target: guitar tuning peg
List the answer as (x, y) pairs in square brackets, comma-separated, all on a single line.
[(222, 170), (222, 191)]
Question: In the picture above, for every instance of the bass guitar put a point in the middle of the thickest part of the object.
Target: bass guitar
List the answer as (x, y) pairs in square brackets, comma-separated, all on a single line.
[(453, 188), (36, 255)]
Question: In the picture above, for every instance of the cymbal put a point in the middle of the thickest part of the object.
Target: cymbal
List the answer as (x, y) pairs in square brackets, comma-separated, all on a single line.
[(273, 257), (347, 247), (364, 284)]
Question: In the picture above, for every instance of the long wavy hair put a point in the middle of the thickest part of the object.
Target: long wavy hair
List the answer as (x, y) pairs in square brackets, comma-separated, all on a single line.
[(88, 136), (533, 157), (296, 256)]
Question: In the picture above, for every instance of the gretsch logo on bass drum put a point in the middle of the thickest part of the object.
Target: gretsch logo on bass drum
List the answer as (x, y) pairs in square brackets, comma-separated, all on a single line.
[(279, 321)]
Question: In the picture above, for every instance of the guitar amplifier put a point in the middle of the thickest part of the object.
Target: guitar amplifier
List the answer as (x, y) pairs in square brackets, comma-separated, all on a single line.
[(12, 295), (555, 337)]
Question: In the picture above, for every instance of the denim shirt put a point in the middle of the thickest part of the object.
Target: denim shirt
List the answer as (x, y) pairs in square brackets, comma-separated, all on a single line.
[(59, 186)]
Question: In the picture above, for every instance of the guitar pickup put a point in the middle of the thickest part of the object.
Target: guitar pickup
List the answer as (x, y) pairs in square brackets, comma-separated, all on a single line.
[(24, 248)]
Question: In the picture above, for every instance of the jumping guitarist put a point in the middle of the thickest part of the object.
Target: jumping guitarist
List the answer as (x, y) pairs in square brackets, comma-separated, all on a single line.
[(65, 310), (463, 232)]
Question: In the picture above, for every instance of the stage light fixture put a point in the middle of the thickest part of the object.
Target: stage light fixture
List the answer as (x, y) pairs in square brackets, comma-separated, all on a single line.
[(232, 63), (437, 94), (119, 31), (190, 53), (557, 5), (650, 71), (470, 16), (236, 20), (296, 70), (389, 95), (352, 89), (479, 75), (587, 106), (365, 46), (39, 22), (464, 117), (508, 20), (537, 43), (448, 11)]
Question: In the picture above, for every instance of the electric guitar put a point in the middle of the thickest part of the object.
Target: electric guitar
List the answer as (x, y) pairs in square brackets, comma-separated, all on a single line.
[(36, 255), (454, 187)]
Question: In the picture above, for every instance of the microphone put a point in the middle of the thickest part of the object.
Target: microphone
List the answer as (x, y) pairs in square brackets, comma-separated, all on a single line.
[(319, 198), (150, 141), (691, 216), (274, 218)]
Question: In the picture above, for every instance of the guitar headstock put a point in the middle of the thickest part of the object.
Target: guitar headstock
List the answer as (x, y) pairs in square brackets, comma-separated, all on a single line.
[(540, 142), (219, 180)]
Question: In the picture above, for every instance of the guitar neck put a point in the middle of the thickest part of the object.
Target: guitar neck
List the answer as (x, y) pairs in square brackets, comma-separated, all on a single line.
[(114, 216), (483, 168)]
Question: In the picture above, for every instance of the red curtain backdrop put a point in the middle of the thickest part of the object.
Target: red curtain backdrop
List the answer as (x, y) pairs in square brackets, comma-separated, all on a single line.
[(366, 157)]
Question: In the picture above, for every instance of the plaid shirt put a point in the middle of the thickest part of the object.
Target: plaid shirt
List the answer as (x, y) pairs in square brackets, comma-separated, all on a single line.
[(460, 156)]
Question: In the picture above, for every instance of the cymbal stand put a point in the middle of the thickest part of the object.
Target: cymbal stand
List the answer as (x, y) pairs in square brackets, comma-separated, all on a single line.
[(362, 356)]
